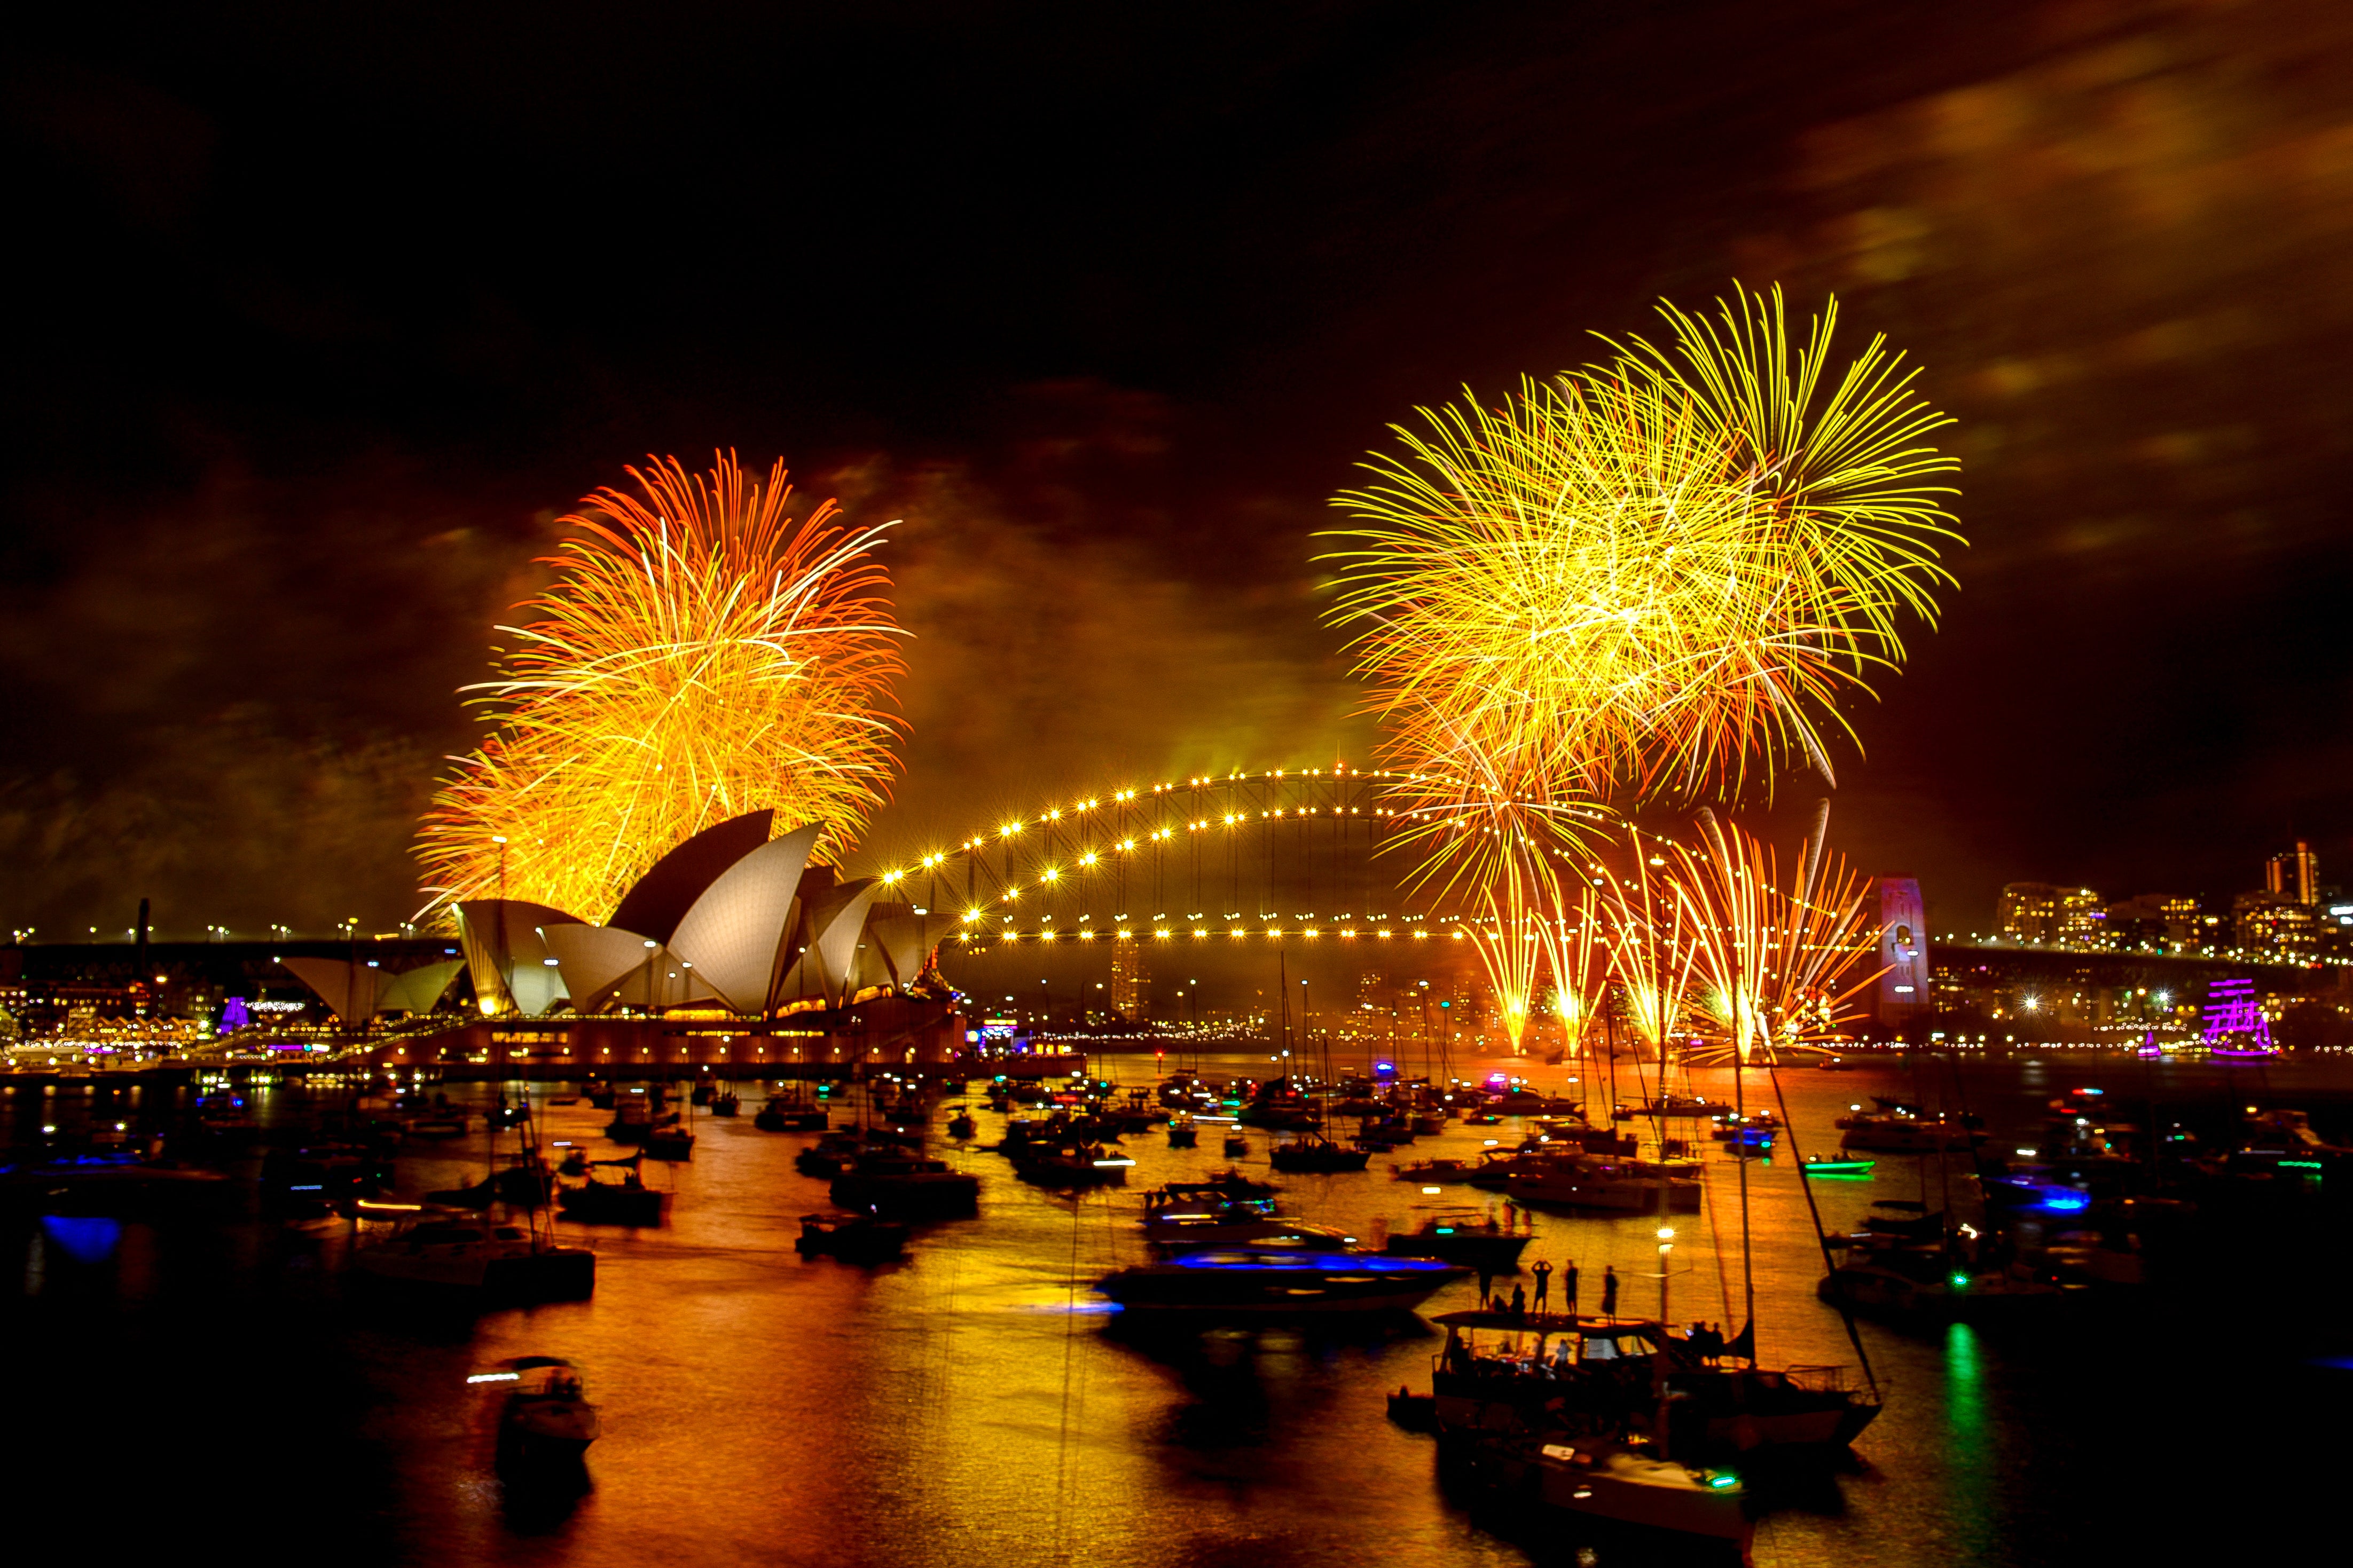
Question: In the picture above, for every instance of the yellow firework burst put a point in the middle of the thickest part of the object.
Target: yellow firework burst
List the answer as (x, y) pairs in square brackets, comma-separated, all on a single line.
[(1659, 576), (701, 654)]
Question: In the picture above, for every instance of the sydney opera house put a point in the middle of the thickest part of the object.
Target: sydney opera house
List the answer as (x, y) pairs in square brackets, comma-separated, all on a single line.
[(731, 938)]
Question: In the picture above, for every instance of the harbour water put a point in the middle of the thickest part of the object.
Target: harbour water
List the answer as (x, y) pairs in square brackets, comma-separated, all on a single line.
[(229, 1380)]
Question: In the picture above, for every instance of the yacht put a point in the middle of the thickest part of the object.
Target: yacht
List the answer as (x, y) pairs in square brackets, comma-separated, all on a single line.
[(1248, 1283)]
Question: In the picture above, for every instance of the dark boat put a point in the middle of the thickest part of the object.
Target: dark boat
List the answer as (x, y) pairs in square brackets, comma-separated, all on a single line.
[(784, 1114), (1311, 1154), (670, 1142), (1071, 1163), (852, 1239), (623, 1200), (962, 1128), (727, 1104), (1248, 1284), (905, 1184), (1466, 1238), (1183, 1133), (547, 1420)]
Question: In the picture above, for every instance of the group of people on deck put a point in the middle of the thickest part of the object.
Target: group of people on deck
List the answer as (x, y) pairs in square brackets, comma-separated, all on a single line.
[(1521, 1304)]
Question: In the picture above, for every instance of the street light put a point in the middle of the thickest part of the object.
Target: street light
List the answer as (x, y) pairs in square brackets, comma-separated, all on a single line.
[(1666, 1245)]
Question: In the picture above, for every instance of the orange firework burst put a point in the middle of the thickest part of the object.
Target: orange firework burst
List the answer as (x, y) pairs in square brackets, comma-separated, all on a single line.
[(1779, 959), (701, 655)]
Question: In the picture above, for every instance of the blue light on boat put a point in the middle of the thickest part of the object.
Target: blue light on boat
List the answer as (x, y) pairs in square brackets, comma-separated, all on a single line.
[(1322, 1262)]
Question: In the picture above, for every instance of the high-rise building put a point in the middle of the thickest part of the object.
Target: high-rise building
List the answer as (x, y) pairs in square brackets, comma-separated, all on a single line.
[(2154, 919), (1131, 981), (2293, 875), (2039, 912)]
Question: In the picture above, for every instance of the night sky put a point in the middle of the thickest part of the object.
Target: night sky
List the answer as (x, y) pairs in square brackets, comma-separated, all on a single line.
[(323, 314)]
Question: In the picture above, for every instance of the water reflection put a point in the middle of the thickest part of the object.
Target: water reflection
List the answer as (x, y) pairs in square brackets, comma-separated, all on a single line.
[(974, 1402)]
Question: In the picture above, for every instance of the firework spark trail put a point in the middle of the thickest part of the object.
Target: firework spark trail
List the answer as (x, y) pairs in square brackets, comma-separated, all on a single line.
[(1775, 961), (701, 655)]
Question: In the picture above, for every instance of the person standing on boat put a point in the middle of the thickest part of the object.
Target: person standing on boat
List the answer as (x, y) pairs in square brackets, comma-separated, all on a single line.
[(1519, 1302), (1568, 1287), (1543, 1271), (1609, 1291)]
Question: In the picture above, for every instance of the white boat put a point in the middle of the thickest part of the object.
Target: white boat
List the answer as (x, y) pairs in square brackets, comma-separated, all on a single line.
[(1603, 1480)]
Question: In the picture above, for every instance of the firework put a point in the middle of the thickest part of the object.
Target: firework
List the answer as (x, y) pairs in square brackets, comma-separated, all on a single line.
[(1776, 960), (701, 654), (1658, 575)]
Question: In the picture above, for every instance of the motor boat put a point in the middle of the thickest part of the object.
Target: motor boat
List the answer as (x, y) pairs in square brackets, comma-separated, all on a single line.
[(1183, 1132), (1069, 1162), (1599, 1477), (1311, 1154), (1179, 1215), (1617, 1186), (624, 1199), (1464, 1236), (1247, 1283), (785, 1114), (546, 1419), (852, 1239)]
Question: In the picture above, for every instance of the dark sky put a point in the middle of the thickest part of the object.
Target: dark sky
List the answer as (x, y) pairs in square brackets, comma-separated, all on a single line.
[(322, 314)]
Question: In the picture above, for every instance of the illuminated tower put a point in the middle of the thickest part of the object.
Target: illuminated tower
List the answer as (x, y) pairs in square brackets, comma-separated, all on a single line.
[(1903, 987), (2293, 875), (1131, 980)]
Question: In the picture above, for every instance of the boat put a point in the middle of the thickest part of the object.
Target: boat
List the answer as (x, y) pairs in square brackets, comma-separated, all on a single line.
[(1464, 1236), (904, 1184), (962, 1128), (1183, 1215), (832, 1154), (633, 1119), (1245, 1284), (1918, 1272), (1836, 1165), (852, 1239), (669, 1142), (1898, 1128), (1694, 1106), (1443, 1170), (785, 1114), (727, 1104), (1069, 1162), (625, 1199), (1617, 1373), (453, 1250), (438, 1124), (1237, 1146), (546, 1420), (600, 1092), (1599, 1477), (703, 1093), (1183, 1132), (1618, 1186), (1313, 1154)]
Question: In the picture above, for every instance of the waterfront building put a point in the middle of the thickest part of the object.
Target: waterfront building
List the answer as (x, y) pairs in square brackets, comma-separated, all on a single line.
[(2274, 922)]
